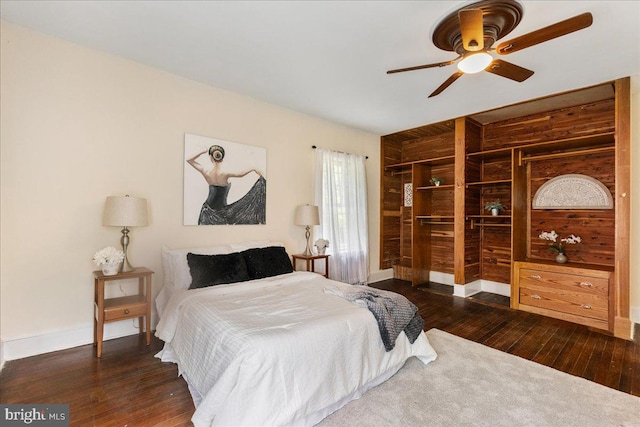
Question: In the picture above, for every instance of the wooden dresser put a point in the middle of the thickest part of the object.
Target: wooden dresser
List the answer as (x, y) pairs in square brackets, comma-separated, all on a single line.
[(577, 293)]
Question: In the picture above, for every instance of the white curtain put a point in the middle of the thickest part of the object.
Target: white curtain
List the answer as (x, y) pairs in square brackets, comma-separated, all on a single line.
[(341, 195)]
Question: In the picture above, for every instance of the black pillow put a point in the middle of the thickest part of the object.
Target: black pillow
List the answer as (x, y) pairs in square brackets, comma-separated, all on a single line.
[(210, 270), (267, 262)]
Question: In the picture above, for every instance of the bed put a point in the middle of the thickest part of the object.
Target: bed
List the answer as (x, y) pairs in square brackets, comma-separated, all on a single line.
[(272, 350)]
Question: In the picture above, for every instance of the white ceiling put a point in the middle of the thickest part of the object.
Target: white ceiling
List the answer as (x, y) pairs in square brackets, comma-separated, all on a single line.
[(329, 58)]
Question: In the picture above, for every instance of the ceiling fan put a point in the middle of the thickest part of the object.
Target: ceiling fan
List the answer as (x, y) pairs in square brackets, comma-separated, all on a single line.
[(472, 30)]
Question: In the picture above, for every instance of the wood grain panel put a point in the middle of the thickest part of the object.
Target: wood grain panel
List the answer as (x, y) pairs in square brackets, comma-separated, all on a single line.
[(622, 281), (582, 120), (421, 132), (595, 227), (496, 169), (428, 147), (472, 254), (391, 195), (496, 254)]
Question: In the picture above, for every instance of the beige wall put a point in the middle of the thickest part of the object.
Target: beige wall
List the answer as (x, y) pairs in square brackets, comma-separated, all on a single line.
[(79, 125)]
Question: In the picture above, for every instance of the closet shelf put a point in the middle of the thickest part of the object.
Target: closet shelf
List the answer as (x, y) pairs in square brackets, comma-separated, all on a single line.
[(582, 152), (488, 224), (497, 181), (435, 219), (578, 143), (433, 161), (490, 216), (436, 187)]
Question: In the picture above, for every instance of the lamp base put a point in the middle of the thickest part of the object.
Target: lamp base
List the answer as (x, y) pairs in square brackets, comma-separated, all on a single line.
[(124, 241), (126, 266), (307, 234)]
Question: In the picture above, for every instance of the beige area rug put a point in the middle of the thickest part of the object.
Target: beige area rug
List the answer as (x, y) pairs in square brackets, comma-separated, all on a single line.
[(474, 385)]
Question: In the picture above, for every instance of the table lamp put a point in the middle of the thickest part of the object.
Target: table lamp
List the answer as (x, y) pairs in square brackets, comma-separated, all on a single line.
[(307, 215), (125, 212)]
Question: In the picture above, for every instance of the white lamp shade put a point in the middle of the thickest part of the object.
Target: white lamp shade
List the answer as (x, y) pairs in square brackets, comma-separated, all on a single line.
[(125, 212), (307, 215)]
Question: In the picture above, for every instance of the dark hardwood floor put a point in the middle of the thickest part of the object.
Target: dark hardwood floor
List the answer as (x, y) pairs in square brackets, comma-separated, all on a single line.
[(128, 386)]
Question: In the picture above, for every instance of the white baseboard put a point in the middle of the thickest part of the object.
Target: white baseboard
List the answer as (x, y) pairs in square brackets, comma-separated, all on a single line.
[(438, 277), (467, 290), (503, 289), (381, 275), (19, 348), (635, 315)]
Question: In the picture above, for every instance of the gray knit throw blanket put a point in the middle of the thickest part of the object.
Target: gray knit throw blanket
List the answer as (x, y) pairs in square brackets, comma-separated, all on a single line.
[(393, 312)]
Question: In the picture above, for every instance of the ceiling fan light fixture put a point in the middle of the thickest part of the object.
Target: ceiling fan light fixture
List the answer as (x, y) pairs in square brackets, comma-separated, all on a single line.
[(475, 62)]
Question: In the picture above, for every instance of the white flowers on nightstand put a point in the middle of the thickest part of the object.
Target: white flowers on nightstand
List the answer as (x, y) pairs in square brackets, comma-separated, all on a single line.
[(321, 245), (109, 259)]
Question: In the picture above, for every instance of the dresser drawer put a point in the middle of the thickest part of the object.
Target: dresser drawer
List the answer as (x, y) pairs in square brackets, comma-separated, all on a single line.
[(564, 282), (585, 304)]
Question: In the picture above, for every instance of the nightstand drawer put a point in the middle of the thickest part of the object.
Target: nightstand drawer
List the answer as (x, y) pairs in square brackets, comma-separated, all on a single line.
[(124, 308), (563, 282)]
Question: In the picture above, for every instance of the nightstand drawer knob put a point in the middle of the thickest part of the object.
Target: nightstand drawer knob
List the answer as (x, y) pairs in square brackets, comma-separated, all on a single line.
[(534, 296), (586, 306), (586, 284), (536, 276), (127, 311)]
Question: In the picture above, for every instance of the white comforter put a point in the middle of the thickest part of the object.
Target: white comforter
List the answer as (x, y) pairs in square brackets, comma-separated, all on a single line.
[(276, 351)]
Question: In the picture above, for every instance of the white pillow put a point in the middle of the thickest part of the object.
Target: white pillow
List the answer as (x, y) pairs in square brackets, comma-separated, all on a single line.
[(176, 268), (243, 246)]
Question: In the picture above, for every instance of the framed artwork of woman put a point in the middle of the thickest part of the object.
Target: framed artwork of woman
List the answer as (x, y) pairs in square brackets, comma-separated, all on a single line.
[(224, 182)]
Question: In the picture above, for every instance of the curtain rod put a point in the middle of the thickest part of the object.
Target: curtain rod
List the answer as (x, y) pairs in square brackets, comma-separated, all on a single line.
[(314, 147)]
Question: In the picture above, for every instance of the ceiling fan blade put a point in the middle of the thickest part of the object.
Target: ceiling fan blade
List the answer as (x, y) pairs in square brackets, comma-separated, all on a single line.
[(455, 76), (509, 70), (421, 67), (542, 35), (472, 29)]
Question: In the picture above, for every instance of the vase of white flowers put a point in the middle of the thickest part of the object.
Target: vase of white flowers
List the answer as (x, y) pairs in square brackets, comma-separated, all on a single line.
[(559, 246), (321, 246), (109, 259)]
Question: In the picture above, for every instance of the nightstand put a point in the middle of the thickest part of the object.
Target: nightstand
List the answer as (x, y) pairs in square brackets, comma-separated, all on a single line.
[(127, 307), (311, 262)]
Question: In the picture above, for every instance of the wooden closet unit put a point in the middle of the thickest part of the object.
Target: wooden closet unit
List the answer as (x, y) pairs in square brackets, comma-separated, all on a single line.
[(507, 154)]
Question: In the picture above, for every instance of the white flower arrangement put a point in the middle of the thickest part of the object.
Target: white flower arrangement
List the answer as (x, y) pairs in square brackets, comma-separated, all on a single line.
[(559, 246), (322, 243), (108, 255)]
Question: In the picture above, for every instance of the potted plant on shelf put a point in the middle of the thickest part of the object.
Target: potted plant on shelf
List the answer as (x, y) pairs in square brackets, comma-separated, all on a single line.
[(495, 207), (436, 181)]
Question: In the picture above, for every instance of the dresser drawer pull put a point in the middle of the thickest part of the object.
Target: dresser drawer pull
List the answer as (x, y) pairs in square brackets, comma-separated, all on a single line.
[(127, 311), (536, 276), (586, 284), (586, 306), (534, 296)]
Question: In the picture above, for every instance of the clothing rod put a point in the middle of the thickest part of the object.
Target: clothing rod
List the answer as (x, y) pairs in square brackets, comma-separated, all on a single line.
[(314, 147)]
